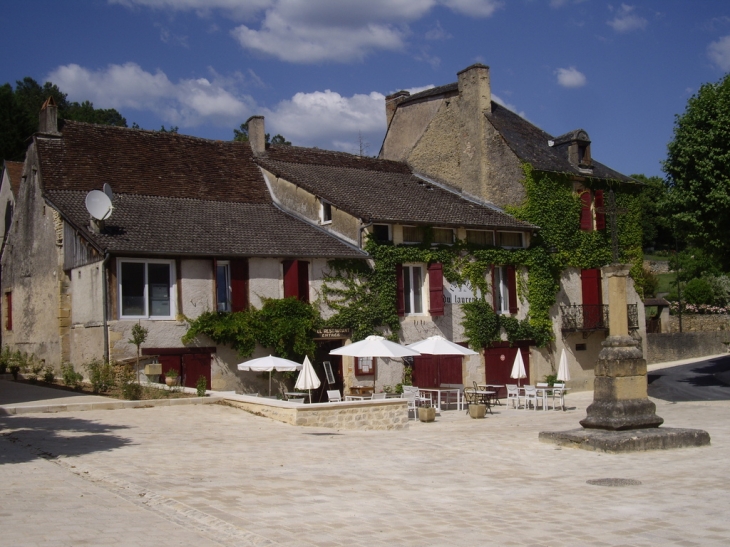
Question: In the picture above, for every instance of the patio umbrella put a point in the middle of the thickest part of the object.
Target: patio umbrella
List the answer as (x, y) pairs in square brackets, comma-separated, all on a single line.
[(307, 378), (375, 346), (438, 345), (563, 372), (518, 369), (264, 364)]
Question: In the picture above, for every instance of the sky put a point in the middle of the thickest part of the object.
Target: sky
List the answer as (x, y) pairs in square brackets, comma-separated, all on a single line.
[(319, 70)]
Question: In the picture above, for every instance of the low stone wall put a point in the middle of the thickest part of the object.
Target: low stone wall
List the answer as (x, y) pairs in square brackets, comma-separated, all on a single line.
[(657, 266), (692, 322), (675, 346), (381, 414)]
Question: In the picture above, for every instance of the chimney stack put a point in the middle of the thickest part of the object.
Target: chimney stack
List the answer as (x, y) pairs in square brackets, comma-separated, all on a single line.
[(475, 89), (392, 102), (48, 118), (257, 134)]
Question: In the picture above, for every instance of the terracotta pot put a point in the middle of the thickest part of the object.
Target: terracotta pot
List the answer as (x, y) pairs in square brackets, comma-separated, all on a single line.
[(477, 411), (427, 414), (171, 380)]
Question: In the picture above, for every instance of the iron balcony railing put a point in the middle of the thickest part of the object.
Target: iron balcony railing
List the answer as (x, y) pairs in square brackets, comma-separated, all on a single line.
[(592, 317)]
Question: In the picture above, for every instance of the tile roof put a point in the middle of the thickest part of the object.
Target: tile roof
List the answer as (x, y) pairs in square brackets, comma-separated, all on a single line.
[(171, 225), (15, 175), (174, 194), (379, 190)]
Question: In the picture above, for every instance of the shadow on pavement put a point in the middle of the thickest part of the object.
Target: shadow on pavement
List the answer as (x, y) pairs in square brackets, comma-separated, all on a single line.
[(701, 381), (52, 437)]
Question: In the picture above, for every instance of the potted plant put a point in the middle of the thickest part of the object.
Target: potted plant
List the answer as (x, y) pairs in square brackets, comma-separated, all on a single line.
[(171, 377), (477, 410), (427, 412)]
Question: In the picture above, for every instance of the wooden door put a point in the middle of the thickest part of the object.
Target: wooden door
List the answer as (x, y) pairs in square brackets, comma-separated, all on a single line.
[(498, 362), (450, 369), (168, 362), (195, 365), (425, 371)]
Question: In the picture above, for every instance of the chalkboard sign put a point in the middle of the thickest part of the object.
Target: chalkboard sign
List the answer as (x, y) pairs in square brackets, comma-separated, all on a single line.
[(328, 371)]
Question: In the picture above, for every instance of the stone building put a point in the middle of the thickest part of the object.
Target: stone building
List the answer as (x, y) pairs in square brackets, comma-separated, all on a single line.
[(458, 136)]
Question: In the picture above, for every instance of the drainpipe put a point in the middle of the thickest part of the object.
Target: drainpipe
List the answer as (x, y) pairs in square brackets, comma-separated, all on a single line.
[(105, 306)]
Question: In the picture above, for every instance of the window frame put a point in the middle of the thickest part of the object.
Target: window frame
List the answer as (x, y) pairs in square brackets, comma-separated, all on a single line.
[(452, 238), (324, 207), (484, 232), (501, 289), (499, 239), (361, 363), (423, 235), (9, 310), (390, 232), (229, 289), (409, 297), (172, 286)]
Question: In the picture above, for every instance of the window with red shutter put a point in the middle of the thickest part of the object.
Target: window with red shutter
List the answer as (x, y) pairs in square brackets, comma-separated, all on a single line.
[(400, 300), (592, 298), (586, 215), (495, 289), (239, 284), (436, 289), (512, 289), (600, 215)]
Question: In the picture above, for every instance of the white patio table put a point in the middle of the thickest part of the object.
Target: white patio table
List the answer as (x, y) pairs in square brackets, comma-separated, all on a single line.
[(440, 390)]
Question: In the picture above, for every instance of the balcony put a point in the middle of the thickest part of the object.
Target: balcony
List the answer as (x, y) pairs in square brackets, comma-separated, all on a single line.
[(593, 317)]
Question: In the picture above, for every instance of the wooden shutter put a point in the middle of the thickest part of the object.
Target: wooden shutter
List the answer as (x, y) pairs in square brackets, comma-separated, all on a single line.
[(400, 300), (512, 289), (586, 216), (494, 288), (291, 279), (591, 286), (303, 280), (436, 289), (600, 216), (239, 284)]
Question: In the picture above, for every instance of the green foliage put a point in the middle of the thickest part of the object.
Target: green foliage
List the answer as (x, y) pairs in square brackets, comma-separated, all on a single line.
[(698, 291), (172, 373), (481, 324), (139, 335), (101, 375), (650, 282), (241, 135), (201, 386), (71, 378), (6, 357), (128, 385), (284, 325), (550, 379), (657, 229), (49, 374), (694, 262), (697, 171)]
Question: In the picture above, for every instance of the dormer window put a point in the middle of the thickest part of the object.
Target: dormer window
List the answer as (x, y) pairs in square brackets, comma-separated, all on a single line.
[(579, 148), (325, 212)]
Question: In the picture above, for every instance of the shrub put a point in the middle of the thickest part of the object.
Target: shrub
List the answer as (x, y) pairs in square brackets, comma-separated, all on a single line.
[(5, 359), (70, 377), (131, 390), (34, 368), (698, 291), (49, 374), (101, 375), (201, 386)]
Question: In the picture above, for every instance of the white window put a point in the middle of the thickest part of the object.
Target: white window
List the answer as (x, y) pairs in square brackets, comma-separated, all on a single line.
[(413, 289), (223, 285), (480, 237), (510, 239), (413, 234), (381, 232), (501, 290), (146, 289), (325, 212), (443, 236)]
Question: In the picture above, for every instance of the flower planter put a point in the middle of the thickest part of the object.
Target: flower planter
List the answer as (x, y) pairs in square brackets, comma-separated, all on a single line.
[(477, 411), (171, 380), (427, 414)]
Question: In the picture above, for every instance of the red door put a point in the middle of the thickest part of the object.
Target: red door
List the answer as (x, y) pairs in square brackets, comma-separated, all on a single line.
[(195, 365), (168, 362), (450, 369), (498, 362), (425, 371)]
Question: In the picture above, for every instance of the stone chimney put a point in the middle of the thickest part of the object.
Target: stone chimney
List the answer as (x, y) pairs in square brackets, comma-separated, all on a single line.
[(392, 102), (48, 118), (475, 102), (257, 134)]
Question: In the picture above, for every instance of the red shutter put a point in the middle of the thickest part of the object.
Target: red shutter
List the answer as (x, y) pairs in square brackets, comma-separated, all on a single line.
[(600, 216), (512, 289), (303, 281), (494, 289), (400, 299), (291, 279), (586, 216), (239, 285), (436, 289), (590, 281)]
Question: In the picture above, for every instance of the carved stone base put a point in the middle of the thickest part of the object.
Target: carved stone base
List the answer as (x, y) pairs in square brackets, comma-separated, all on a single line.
[(621, 415), (664, 438)]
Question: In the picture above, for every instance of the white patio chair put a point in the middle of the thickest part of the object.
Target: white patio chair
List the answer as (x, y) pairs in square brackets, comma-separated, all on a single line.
[(559, 392), (382, 395), (513, 394), (420, 397), (530, 395), (411, 396), (544, 387), (334, 396)]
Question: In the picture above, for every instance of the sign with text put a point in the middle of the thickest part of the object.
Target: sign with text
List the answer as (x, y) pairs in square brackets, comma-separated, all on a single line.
[(332, 334), (459, 294)]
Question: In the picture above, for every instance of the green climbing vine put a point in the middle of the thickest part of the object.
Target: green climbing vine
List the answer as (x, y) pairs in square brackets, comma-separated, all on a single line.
[(363, 296)]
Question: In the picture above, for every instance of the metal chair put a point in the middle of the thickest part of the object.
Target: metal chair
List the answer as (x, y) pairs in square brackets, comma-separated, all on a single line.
[(559, 392)]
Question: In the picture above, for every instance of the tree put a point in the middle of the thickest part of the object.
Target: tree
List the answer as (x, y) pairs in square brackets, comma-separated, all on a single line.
[(241, 135), (139, 337), (698, 171), (655, 226)]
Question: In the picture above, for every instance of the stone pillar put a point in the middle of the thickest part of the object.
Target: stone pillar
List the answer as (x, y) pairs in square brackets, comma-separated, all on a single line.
[(257, 134), (620, 389)]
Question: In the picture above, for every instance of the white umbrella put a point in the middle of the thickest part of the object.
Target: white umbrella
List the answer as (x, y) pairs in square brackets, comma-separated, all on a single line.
[(375, 346), (438, 345), (307, 379), (264, 364), (518, 369), (563, 372)]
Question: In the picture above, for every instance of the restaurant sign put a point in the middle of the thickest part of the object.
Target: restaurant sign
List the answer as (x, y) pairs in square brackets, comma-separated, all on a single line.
[(332, 334), (459, 294)]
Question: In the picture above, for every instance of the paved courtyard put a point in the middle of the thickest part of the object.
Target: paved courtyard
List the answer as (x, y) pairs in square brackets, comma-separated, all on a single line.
[(215, 475)]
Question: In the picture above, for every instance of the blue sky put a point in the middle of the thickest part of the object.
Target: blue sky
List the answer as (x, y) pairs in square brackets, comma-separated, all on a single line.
[(318, 70)]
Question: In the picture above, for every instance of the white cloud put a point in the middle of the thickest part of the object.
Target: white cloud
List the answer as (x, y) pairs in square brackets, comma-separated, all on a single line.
[(719, 53), (187, 103), (626, 20), (570, 77), (313, 31)]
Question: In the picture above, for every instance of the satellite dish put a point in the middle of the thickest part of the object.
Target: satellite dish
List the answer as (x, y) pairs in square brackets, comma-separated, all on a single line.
[(108, 191), (99, 205)]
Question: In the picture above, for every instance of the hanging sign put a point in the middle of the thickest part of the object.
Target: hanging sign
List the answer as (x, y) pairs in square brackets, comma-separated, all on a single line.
[(459, 294), (332, 334)]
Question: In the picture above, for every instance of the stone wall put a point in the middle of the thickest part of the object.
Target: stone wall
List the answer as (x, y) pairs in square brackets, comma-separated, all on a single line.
[(657, 266), (699, 323), (380, 415), (685, 345)]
